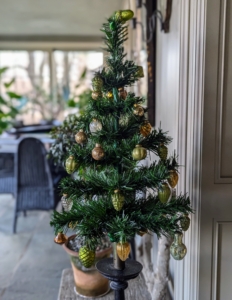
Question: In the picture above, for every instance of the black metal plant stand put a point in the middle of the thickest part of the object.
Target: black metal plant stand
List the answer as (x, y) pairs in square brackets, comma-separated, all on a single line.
[(119, 272)]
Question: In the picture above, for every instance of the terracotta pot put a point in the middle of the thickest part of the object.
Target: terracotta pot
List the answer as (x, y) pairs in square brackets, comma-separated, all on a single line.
[(88, 282)]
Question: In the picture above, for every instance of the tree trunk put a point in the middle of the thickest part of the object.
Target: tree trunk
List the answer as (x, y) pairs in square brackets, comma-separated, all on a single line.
[(162, 270)]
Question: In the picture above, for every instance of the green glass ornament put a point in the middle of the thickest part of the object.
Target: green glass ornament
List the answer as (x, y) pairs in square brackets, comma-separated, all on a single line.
[(163, 152), (164, 193), (185, 222), (97, 83), (71, 165), (112, 26), (124, 15), (139, 152), (178, 250), (86, 256), (118, 200)]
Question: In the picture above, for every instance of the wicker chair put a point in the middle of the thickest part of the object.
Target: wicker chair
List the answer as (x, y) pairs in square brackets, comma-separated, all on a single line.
[(7, 179), (34, 186)]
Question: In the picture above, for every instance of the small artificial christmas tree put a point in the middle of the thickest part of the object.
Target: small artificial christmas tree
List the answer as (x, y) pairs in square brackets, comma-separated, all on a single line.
[(111, 195)]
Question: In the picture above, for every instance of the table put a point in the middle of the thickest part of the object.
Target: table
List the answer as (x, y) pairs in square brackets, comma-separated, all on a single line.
[(136, 290)]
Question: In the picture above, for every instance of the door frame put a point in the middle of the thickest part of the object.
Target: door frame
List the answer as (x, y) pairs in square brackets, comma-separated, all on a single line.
[(190, 135)]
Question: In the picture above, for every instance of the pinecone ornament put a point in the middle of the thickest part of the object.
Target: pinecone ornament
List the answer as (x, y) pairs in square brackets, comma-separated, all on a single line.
[(145, 129), (86, 256), (118, 200), (97, 83), (163, 152), (173, 178), (123, 250), (185, 222)]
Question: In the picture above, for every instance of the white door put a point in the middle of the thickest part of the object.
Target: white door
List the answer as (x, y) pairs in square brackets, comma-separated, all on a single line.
[(216, 197)]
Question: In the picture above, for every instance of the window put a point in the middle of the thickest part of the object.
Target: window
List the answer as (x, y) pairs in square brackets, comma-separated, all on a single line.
[(46, 80)]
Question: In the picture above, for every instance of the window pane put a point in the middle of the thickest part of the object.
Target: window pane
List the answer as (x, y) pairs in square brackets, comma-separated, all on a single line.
[(71, 79), (32, 81)]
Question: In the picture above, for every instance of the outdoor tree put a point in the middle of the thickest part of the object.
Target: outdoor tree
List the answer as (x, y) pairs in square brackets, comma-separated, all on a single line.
[(112, 194)]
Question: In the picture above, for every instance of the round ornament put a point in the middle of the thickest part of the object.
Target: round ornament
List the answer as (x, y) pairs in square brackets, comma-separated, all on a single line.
[(71, 165), (138, 110), (109, 95), (66, 202), (118, 200), (123, 250), (140, 72), (124, 15), (139, 153), (178, 250), (112, 26), (86, 256), (97, 152), (163, 152), (96, 95), (145, 129), (97, 83), (81, 137), (122, 93), (185, 222), (95, 126), (173, 178), (164, 193), (60, 238)]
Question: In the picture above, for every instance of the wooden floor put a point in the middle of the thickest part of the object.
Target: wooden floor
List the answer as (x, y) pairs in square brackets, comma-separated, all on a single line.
[(136, 290)]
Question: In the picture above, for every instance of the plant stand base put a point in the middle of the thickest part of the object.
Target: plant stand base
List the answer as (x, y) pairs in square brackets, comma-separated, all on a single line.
[(119, 278)]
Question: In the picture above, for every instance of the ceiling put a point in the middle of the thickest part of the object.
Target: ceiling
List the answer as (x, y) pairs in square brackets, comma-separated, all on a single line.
[(54, 18)]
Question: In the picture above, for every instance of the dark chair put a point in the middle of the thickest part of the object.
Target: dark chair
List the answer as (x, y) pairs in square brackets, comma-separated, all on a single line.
[(34, 186), (7, 178)]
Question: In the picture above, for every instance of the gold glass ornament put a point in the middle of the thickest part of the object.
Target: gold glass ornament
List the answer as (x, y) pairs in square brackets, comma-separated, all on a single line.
[(66, 202), (139, 153), (86, 256), (122, 93), (97, 152), (185, 222), (163, 152), (164, 193), (173, 178), (118, 200), (178, 250), (97, 83), (60, 238), (138, 110), (72, 225), (95, 126), (71, 165), (140, 72), (124, 15), (96, 95), (109, 95), (123, 250), (81, 137), (145, 129)]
